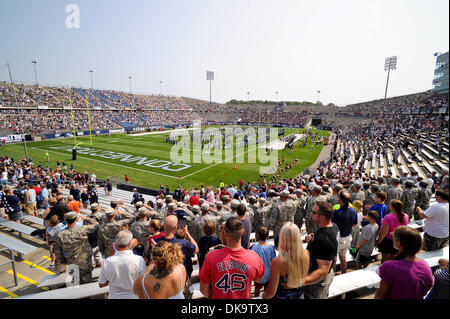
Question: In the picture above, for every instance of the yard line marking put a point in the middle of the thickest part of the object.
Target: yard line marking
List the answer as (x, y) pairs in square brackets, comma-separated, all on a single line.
[(38, 267), (46, 257), (97, 160), (6, 291), (34, 282)]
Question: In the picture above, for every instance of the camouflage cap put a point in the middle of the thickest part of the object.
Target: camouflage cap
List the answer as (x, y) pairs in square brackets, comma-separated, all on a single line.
[(172, 205), (284, 193), (159, 201), (205, 207), (262, 199), (142, 211), (253, 198), (94, 206), (235, 203), (169, 197), (409, 182), (139, 204), (201, 201), (114, 202), (195, 208), (109, 212), (219, 204), (71, 215)]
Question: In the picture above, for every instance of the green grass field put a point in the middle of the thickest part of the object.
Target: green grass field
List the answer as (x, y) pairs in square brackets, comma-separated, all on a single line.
[(103, 158)]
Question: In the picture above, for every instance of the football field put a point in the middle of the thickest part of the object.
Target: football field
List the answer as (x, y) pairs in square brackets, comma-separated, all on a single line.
[(146, 158)]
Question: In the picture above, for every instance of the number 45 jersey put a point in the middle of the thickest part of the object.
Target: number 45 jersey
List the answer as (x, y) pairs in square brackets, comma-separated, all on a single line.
[(230, 272)]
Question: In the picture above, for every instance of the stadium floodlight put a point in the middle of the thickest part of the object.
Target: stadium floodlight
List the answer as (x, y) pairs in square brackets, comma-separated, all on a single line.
[(318, 96), (437, 54), (276, 96), (35, 74), (248, 97), (130, 83), (210, 77), (92, 81), (390, 63), (160, 87), (18, 114)]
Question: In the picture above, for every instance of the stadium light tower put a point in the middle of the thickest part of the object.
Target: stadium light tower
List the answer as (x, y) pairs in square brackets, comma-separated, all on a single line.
[(318, 96), (92, 81), (18, 113), (160, 87), (248, 97), (210, 78), (390, 63), (130, 84), (35, 74), (276, 96)]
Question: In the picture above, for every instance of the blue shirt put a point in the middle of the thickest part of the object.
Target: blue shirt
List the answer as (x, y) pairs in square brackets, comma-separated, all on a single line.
[(267, 253), (381, 209), (345, 218)]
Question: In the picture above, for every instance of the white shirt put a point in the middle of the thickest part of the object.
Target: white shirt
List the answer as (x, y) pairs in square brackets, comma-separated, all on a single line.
[(121, 270), (436, 223)]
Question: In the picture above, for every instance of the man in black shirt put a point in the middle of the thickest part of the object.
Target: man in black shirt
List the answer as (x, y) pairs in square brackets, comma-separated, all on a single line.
[(60, 209), (322, 247)]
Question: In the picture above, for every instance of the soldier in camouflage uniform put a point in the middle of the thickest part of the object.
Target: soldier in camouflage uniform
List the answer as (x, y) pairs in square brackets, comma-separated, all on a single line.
[(108, 231), (369, 200), (423, 199), (409, 197), (334, 198), (139, 228), (300, 209), (72, 247), (309, 223), (233, 213), (356, 193), (199, 222), (382, 186), (282, 211), (260, 215), (160, 208), (395, 192)]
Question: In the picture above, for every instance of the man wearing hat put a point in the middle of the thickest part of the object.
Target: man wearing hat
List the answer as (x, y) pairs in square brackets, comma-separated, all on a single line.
[(382, 186), (334, 198), (160, 207), (423, 199), (233, 213), (199, 222), (226, 201), (139, 228), (71, 246), (282, 211), (356, 193), (108, 231), (395, 192), (300, 208), (309, 223), (409, 197), (97, 259), (261, 213)]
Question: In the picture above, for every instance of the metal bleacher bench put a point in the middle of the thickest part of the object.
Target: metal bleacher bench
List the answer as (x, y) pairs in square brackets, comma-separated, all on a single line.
[(14, 245), (20, 228), (76, 292), (54, 281), (34, 220)]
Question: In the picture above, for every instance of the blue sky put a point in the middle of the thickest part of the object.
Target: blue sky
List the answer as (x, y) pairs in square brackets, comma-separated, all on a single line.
[(292, 46)]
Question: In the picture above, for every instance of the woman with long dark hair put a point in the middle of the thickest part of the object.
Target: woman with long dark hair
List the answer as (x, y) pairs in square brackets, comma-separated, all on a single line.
[(388, 224), (406, 276)]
